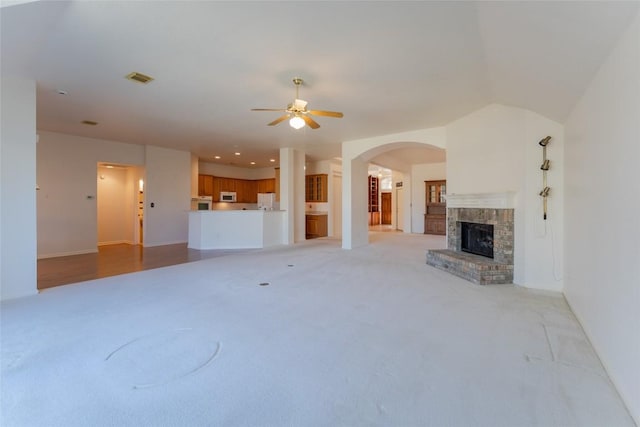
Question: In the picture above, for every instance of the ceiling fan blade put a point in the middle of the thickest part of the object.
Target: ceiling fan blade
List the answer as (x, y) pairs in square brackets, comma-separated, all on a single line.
[(312, 124), (325, 113), (268, 109), (278, 120)]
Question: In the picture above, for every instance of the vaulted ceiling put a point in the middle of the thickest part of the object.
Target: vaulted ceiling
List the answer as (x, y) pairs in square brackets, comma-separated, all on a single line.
[(389, 66)]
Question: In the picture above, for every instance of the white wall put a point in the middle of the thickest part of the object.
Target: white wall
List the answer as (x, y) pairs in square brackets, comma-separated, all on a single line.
[(420, 174), (17, 188), (67, 208), (495, 149), (602, 205), (168, 188), (227, 171), (66, 173)]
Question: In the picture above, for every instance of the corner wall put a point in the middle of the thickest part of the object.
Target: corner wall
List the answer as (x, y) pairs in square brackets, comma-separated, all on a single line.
[(495, 149), (602, 204), (67, 204), (17, 188)]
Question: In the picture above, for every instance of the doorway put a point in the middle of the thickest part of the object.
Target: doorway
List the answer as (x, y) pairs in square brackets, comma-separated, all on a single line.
[(120, 203)]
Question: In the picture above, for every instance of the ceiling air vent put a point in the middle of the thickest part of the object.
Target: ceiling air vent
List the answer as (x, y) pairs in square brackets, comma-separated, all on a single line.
[(139, 77), (89, 122)]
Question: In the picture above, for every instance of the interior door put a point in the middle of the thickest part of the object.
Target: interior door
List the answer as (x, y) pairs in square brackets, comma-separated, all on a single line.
[(386, 208)]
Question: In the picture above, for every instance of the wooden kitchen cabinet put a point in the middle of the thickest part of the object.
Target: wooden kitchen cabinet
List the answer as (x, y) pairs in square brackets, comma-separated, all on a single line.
[(216, 189), (227, 184), (246, 189), (205, 185), (266, 185), (316, 226), (316, 188), (435, 217)]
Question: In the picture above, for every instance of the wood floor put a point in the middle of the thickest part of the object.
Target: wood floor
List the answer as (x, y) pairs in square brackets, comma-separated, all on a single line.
[(111, 260)]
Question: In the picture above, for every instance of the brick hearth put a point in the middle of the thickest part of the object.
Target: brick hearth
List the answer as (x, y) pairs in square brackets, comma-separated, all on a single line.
[(475, 268)]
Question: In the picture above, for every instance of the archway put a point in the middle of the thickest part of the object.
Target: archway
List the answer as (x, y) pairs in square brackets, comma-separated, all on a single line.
[(355, 158)]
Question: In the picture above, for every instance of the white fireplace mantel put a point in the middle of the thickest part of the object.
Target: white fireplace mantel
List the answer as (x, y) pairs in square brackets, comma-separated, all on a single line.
[(505, 200)]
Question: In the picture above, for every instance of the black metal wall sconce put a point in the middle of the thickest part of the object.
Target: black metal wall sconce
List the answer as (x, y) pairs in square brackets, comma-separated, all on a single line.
[(545, 167)]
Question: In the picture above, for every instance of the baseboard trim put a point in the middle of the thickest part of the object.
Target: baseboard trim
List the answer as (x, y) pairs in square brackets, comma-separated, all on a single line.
[(59, 254), (116, 242), (150, 245)]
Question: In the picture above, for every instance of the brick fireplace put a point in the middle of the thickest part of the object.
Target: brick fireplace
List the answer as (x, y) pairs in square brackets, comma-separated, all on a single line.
[(489, 217)]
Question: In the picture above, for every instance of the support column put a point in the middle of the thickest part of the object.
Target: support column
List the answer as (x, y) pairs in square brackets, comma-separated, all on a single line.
[(292, 187), (18, 239), (355, 222)]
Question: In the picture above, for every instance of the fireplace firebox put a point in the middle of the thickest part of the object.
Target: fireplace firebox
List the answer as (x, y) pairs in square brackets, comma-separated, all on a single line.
[(477, 238)]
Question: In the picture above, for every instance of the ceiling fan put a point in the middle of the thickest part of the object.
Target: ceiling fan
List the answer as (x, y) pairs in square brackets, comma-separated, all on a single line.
[(297, 112)]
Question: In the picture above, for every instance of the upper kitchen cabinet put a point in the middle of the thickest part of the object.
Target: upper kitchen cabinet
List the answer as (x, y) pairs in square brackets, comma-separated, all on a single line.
[(316, 188), (205, 185), (266, 185), (227, 184), (246, 189)]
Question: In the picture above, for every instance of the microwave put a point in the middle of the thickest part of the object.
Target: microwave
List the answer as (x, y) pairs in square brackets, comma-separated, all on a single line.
[(228, 196)]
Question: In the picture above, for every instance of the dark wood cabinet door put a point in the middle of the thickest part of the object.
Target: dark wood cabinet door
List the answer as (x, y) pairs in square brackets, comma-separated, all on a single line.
[(316, 188), (205, 185), (386, 208)]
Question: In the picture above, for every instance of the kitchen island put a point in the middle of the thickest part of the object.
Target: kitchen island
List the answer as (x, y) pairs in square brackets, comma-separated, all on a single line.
[(235, 229)]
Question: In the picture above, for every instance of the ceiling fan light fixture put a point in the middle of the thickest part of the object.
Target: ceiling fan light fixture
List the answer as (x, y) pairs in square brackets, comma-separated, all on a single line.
[(297, 122)]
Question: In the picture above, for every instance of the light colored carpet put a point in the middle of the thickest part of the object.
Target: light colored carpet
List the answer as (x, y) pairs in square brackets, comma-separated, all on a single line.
[(367, 337)]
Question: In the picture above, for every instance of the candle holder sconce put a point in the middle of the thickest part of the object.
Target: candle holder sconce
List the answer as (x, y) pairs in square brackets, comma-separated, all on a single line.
[(545, 167)]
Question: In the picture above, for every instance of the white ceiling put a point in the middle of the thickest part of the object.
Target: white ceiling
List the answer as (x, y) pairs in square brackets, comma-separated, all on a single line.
[(389, 66)]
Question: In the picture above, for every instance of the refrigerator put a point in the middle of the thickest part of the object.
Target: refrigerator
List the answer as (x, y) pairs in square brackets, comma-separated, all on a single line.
[(266, 201)]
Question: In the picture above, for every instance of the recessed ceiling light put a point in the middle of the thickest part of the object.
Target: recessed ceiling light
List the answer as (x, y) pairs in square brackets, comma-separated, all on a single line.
[(61, 92), (236, 153), (272, 160), (253, 163), (139, 77), (216, 157), (89, 122), (109, 166)]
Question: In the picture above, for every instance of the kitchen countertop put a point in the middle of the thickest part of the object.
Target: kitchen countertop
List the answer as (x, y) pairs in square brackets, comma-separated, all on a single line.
[(316, 213)]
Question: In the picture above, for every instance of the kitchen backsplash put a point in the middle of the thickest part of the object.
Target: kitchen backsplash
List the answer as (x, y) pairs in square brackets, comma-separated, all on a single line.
[(221, 206)]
